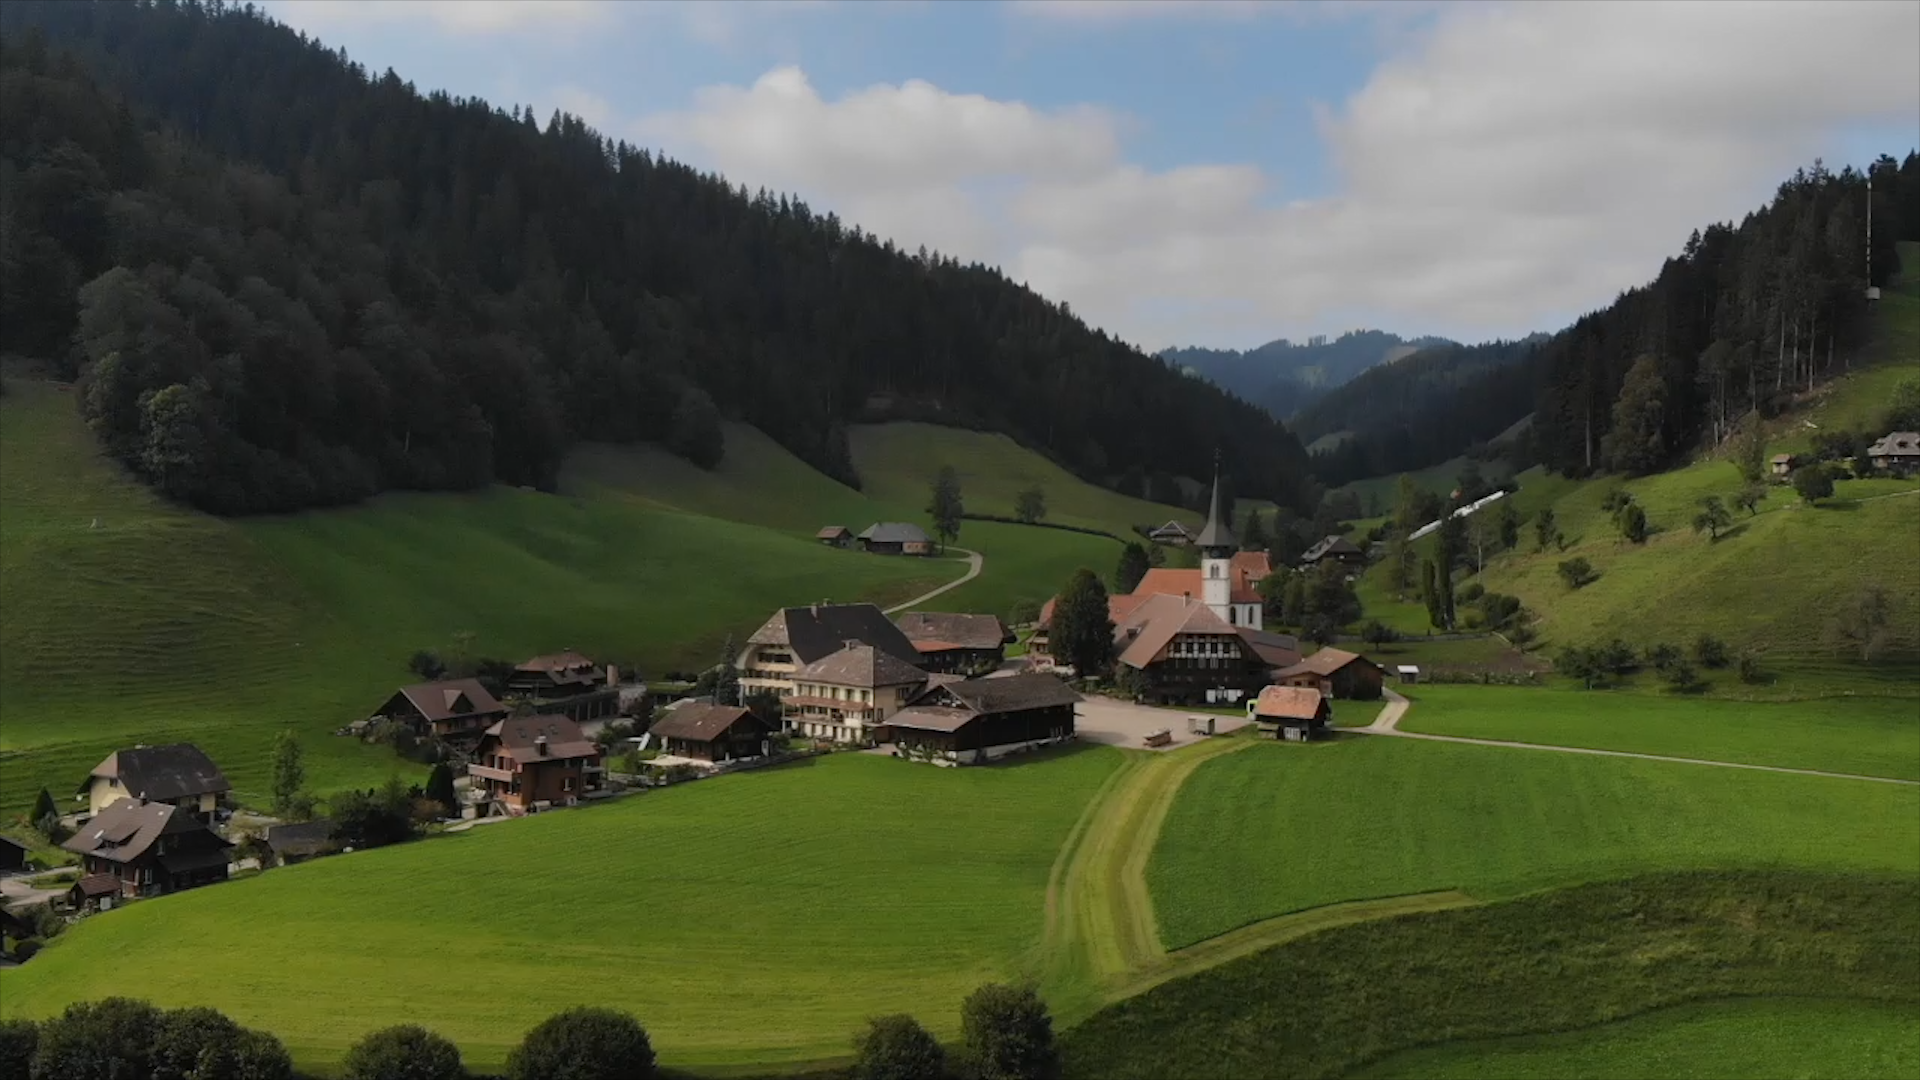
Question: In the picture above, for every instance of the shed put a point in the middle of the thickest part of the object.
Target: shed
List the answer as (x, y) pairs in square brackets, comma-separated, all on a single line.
[(1782, 464), (1293, 713), (1407, 673), (834, 535), (13, 855), (896, 538), (95, 892), (303, 840), (1336, 673)]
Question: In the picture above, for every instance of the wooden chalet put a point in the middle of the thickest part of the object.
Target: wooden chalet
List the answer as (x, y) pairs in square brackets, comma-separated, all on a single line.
[(1337, 549), (525, 763), (300, 841), (1183, 652), (13, 855), (1336, 673), (713, 733), (1897, 453), (150, 848), (835, 536), (797, 636), (178, 774), (452, 710), (957, 644), (566, 684), (1172, 534), (971, 721), (95, 892), (896, 538), (1292, 713), (846, 696)]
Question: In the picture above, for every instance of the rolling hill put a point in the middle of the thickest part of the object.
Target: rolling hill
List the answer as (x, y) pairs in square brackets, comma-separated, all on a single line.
[(1285, 377)]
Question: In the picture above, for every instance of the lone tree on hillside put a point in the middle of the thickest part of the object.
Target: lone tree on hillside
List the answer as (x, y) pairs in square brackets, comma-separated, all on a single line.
[(1862, 626), (1134, 564), (1008, 1034), (440, 787), (1750, 451), (1031, 505), (1813, 482), (897, 1048), (1750, 497), (1082, 631), (1546, 531), (46, 813), (1576, 573), (1508, 519), (289, 771), (584, 1043), (1633, 523), (427, 665), (946, 506), (1713, 517), (403, 1052)]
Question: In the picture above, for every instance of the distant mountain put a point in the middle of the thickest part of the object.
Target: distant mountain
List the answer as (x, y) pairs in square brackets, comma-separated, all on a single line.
[(1285, 377)]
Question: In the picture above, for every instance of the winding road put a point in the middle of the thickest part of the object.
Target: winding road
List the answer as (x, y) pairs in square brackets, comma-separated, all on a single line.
[(974, 562)]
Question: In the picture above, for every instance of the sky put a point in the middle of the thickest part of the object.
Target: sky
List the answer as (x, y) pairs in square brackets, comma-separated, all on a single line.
[(1217, 172)]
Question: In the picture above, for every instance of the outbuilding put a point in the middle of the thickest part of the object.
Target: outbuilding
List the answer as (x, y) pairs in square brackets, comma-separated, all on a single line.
[(1407, 673), (713, 733), (1291, 713), (1336, 673)]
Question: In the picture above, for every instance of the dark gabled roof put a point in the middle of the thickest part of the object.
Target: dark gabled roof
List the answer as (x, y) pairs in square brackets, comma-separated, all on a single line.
[(1216, 534), (301, 838), (833, 532), (701, 723), (1172, 527), (449, 698), (862, 666), (1331, 546), (96, 885), (1895, 444), (1326, 662), (519, 738), (896, 532), (163, 773), (823, 629), (954, 631), (564, 661), (1011, 693), (933, 718), (1274, 650), (11, 842), (124, 831)]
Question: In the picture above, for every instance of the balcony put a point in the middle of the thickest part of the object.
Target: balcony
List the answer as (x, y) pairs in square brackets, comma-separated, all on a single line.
[(487, 772)]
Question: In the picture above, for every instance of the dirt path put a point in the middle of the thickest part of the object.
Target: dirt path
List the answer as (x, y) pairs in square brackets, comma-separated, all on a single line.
[(974, 562)]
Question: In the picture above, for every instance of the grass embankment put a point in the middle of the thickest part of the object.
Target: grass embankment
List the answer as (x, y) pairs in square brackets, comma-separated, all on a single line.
[(1284, 828), (1864, 735), (1327, 1004), (805, 898), (128, 619), (1775, 1038)]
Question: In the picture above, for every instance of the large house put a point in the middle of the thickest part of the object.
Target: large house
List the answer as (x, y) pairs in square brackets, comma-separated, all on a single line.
[(1292, 713), (1336, 673), (178, 774), (567, 684), (846, 696), (798, 636), (1896, 452), (454, 710), (896, 538), (963, 644), (976, 720), (527, 763), (149, 848), (1335, 549), (711, 732)]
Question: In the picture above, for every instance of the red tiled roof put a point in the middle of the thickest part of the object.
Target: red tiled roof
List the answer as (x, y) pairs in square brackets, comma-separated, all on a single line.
[(1155, 623), (450, 698), (1326, 662), (519, 738)]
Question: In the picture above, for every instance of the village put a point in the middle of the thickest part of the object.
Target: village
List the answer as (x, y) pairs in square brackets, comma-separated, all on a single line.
[(560, 730)]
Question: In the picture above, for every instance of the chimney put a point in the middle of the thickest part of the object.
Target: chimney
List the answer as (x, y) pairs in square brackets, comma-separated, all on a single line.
[(613, 675), (540, 745)]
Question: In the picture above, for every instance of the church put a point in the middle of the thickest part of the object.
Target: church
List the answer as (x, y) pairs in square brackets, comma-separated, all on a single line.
[(1195, 634)]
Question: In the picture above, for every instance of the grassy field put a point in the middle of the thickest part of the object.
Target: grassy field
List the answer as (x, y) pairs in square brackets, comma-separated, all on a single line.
[(1282, 828), (1754, 1039), (1865, 735), (1330, 1003), (806, 898)]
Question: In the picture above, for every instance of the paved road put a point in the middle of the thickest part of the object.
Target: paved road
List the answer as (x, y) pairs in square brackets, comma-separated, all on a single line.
[(1388, 723), (974, 562)]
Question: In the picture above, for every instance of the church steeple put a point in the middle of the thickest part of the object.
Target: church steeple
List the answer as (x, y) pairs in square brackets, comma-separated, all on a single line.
[(1216, 536)]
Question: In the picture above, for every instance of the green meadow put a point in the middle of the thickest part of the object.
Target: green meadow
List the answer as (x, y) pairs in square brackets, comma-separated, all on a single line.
[(806, 898), (1750, 1039), (1869, 736), (1282, 828)]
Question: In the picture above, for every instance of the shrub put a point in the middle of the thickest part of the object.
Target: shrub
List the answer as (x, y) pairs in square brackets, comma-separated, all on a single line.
[(1377, 633), (1471, 593), (17, 1040), (584, 1043), (1663, 656), (403, 1052), (897, 1048), (1576, 572), (1023, 612), (427, 665), (1617, 657), (1749, 669), (1813, 482), (1521, 634), (204, 1044), (25, 949), (1633, 523), (1682, 679), (1710, 652), (1008, 1034), (98, 1040)]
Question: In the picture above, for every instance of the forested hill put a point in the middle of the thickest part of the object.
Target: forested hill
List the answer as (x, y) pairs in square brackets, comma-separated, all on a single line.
[(283, 282), (1284, 377), (1744, 317)]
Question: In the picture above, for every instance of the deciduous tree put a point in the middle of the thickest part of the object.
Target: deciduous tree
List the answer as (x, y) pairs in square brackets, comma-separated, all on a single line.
[(1712, 517), (897, 1048), (403, 1052), (1008, 1034), (289, 770), (1813, 482), (946, 505), (584, 1043), (1031, 505), (1081, 634)]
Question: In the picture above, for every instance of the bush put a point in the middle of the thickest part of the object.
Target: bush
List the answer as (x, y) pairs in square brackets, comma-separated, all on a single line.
[(204, 1043), (1521, 634), (403, 1052), (1682, 679), (25, 948), (897, 1048), (1813, 482), (1471, 593), (1008, 1034), (1377, 633), (1663, 656), (1576, 572), (1710, 652), (1749, 669), (584, 1043), (1633, 524), (98, 1040), (1023, 612), (17, 1040)]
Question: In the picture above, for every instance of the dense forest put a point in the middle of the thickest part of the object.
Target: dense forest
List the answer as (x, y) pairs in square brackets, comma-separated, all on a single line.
[(1285, 377), (284, 282), (1745, 317)]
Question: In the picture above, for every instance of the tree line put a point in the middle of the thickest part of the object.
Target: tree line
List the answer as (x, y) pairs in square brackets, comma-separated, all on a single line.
[(285, 281)]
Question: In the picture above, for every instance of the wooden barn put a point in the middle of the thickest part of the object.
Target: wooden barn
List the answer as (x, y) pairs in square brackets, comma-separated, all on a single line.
[(1336, 673), (1292, 713), (713, 733), (973, 721)]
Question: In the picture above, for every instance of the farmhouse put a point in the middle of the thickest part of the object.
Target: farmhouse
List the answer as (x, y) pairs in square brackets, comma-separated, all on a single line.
[(1896, 453), (713, 732), (835, 536), (847, 695), (1337, 549), (1783, 465), (1181, 650), (1292, 713), (527, 763), (13, 855), (150, 848), (1172, 534), (965, 644), (178, 774), (456, 710), (1336, 673), (797, 636), (567, 684), (896, 538), (1274, 650), (977, 720), (300, 841)]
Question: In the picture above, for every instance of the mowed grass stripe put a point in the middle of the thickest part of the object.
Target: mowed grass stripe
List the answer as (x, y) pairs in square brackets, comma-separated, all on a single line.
[(805, 898), (1280, 829)]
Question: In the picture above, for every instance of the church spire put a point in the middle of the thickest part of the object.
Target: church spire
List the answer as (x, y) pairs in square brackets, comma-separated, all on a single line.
[(1216, 534)]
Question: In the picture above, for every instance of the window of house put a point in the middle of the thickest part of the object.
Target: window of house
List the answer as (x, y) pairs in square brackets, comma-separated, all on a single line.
[(566, 784)]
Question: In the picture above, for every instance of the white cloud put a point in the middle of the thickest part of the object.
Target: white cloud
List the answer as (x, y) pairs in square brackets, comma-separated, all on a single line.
[(580, 102), (454, 16), (1510, 166)]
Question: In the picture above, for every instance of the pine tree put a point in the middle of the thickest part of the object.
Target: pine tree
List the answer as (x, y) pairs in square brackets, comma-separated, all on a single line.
[(1081, 634), (1134, 564)]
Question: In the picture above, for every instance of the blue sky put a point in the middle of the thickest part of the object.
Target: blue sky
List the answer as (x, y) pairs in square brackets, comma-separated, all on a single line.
[(1217, 173)]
